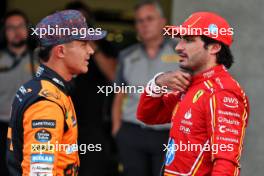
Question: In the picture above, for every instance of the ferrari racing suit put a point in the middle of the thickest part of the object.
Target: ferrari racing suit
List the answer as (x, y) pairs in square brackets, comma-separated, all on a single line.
[(208, 124)]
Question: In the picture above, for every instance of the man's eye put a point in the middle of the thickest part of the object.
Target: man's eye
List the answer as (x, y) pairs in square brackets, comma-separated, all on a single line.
[(83, 44), (188, 39)]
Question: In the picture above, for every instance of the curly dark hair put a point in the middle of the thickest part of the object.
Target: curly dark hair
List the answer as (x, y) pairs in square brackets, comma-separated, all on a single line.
[(224, 56)]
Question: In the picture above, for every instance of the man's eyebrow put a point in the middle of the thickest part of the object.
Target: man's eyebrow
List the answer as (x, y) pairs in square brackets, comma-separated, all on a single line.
[(83, 42), (188, 37)]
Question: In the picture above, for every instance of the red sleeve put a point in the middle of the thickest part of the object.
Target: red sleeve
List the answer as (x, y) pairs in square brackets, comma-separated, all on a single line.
[(227, 121), (156, 110)]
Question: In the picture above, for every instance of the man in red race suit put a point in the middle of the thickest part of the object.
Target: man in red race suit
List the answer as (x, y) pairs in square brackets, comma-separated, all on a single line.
[(207, 107)]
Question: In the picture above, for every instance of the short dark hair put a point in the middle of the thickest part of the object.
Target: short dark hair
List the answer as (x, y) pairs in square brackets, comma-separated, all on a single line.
[(150, 2), (16, 12), (44, 53), (224, 56)]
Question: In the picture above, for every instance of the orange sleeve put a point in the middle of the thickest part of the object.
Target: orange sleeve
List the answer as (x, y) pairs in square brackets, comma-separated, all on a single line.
[(43, 125)]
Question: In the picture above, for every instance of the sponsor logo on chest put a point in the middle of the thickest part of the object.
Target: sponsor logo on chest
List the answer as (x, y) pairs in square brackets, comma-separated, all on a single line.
[(230, 102), (43, 135)]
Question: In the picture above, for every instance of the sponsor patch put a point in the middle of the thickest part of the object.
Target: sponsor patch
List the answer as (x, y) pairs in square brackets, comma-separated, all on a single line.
[(44, 123), (170, 152), (224, 129), (42, 148), (42, 158), (197, 96), (229, 113), (43, 135), (186, 122), (228, 121), (185, 129), (47, 93), (188, 114), (24, 91), (209, 74), (58, 82), (226, 139), (46, 168), (230, 102), (39, 71)]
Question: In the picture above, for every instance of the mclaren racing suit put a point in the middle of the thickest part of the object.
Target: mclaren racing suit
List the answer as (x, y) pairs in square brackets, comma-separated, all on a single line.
[(42, 137), (208, 124)]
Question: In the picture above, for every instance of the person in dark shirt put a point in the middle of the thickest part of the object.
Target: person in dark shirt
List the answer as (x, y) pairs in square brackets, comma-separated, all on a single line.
[(93, 108), (16, 67)]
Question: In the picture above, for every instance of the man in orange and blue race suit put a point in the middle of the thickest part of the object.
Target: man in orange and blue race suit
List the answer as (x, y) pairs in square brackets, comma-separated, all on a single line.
[(42, 135), (207, 107)]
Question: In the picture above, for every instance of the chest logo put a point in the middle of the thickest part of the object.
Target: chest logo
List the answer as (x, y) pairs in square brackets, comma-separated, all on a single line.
[(198, 94), (188, 114), (171, 150), (230, 102)]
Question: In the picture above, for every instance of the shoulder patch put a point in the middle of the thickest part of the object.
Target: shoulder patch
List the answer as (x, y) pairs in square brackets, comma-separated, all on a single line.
[(198, 94), (48, 94)]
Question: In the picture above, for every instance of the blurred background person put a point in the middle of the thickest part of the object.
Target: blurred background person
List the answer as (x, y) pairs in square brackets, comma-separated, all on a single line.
[(16, 67), (92, 108), (140, 147)]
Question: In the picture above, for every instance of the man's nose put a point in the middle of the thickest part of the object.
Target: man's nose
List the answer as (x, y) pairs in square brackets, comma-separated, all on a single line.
[(90, 50), (179, 46)]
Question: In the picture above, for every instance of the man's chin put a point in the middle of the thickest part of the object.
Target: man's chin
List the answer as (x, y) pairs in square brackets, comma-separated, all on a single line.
[(18, 44), (186, 68), (84, 70), (81, 71), (183, 66)]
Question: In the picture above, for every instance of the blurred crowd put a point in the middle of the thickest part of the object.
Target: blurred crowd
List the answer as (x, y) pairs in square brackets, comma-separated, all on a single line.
[(129, 147)]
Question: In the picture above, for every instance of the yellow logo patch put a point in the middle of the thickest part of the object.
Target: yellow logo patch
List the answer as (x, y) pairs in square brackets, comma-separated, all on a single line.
[(197, 95), (39, 148)]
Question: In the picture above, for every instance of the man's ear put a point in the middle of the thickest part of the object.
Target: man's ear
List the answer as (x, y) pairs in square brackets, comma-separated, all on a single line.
[(214, 48), (59, 51)]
